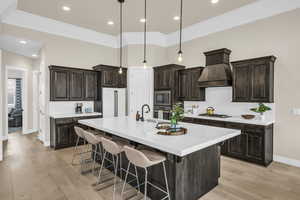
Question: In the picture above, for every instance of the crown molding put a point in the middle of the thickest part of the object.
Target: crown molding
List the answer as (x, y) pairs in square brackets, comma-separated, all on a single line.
[(244, 15), (43, 24), (250, 13)]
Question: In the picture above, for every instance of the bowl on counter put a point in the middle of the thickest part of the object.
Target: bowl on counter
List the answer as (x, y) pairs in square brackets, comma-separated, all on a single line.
[(248, 116)]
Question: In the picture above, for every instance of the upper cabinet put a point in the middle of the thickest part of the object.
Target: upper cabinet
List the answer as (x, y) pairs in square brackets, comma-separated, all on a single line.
[(253, 80), (165, 77), (110, 76), (188, 88), (71, 84)]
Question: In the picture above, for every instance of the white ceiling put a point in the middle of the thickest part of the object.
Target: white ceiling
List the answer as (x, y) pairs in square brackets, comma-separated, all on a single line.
[(12, 44), (94, 14)]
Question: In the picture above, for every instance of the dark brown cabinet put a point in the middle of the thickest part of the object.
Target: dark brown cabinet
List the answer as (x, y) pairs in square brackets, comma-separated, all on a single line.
[(166, 77), (62, 132), (255, 144), (110, 77), (76, 85), (72, 84), (188, 90), (59, 85), (253, 80), (90, 85)]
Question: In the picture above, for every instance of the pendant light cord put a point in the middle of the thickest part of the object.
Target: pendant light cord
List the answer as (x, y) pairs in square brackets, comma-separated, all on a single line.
[(180, 36), (121, 33), (145, 32)]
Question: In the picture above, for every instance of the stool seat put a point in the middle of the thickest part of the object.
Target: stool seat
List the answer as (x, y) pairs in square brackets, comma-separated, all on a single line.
[(154, 157), (113, 146), (91, 138)]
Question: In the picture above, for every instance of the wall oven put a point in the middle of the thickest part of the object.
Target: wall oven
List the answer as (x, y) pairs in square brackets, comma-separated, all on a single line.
[(162, 98)]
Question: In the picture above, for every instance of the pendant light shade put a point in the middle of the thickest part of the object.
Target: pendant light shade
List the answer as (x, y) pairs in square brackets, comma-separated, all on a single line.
[(145, 36), (121, 35), (180, 56)]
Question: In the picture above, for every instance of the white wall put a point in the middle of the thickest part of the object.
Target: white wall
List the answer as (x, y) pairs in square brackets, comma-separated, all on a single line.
[(1, 109), (61, 107), (221, 99)]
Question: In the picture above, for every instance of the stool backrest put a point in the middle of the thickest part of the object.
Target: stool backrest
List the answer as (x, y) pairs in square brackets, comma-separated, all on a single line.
[(91, 138), (136, 157), (79, 131), (110, 146)]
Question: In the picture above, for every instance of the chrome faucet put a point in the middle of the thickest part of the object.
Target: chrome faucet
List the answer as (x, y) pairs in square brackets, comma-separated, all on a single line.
[(148, 110)]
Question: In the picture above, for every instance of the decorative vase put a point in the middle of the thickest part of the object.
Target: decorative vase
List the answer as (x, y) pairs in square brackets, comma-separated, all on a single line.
[(262, 116), (173, 123)]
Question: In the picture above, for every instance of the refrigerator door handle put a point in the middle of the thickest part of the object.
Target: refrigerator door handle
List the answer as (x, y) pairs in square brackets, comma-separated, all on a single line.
[(116, 101)]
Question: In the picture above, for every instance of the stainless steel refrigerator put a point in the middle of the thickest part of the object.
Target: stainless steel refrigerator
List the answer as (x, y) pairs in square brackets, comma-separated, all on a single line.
[(114, 102)]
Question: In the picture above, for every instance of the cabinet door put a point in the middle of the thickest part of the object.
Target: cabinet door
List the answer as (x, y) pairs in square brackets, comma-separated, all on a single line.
[(63, 135), (109, 78), (195, 93), (122, 79), (183, 91), (254, 146), (90, 86), (236, 146), (260, 72), (59, 84), (167, 79), (241, 83), (76, 85), (157, 79)]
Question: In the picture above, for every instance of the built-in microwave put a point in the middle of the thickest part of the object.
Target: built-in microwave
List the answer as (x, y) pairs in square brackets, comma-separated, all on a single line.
[(162, 98)]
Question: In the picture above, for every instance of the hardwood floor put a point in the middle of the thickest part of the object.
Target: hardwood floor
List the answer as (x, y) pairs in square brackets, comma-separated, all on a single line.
[(33, 172)]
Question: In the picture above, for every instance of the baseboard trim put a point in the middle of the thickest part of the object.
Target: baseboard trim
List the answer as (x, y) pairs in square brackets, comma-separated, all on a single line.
[(288, 161), (29, 131), (47, 144)]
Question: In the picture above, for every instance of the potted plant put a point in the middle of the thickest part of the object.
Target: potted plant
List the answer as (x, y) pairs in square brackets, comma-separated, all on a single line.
[(261, 109), (176, 114)]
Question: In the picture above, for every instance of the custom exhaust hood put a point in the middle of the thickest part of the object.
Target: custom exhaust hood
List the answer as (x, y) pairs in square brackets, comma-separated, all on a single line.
[(217, 72)]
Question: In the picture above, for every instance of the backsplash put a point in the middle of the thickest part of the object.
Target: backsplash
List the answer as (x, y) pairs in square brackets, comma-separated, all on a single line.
[(221, 99), (62, 107)]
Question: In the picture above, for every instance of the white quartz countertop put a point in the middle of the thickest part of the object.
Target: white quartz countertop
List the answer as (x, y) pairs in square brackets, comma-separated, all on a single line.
[(70, 115), (238, 119), (198, 136)]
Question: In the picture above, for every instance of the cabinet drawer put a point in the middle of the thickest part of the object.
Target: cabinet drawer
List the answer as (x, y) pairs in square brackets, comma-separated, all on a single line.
[(188, 120), (64, 121)]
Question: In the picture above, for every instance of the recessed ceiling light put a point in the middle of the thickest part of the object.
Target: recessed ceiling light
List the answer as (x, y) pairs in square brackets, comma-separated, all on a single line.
[(176, 18), (23, 42), (142, 20), (110, 23), (66, 8), (214, 1), (34, 55)]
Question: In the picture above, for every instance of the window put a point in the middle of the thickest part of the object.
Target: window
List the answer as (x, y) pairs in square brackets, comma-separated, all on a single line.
[(11, 93)]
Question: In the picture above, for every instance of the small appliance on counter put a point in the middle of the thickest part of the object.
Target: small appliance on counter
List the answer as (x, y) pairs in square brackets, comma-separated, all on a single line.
[(78, 108), (210, 110)]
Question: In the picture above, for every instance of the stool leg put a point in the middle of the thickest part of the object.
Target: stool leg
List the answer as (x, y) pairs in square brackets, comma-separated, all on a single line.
[(101, 168), (115, 180), (75, 149), (137, 179), (124, 184), (146, 182), (166, 180), (95, 153)]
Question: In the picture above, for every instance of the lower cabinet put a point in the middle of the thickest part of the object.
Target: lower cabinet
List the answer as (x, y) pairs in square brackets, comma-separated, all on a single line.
[(62, 132), (255, 144)]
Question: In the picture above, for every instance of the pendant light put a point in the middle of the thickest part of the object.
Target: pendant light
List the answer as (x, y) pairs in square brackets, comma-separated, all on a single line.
[(145, 36), (121, 35), (180, 58)]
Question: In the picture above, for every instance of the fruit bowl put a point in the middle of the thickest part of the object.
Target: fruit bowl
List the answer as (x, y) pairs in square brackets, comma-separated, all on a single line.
[(248, 116)]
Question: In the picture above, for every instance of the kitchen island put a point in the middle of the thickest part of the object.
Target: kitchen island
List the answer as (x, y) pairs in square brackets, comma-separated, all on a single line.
[(193, 160)]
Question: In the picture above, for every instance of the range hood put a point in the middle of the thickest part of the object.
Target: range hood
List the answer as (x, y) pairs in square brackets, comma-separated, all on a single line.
[(217, 72)]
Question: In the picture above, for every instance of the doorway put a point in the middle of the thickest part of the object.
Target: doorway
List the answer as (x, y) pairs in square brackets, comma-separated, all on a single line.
[(14, 103)]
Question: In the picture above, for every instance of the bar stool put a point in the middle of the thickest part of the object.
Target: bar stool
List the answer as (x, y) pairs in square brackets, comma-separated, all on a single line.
[(80, 136), (114, 148), (95, 141), (145, 159)]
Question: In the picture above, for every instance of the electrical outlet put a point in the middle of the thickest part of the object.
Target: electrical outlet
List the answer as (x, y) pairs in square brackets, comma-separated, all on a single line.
[(296, 111)]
